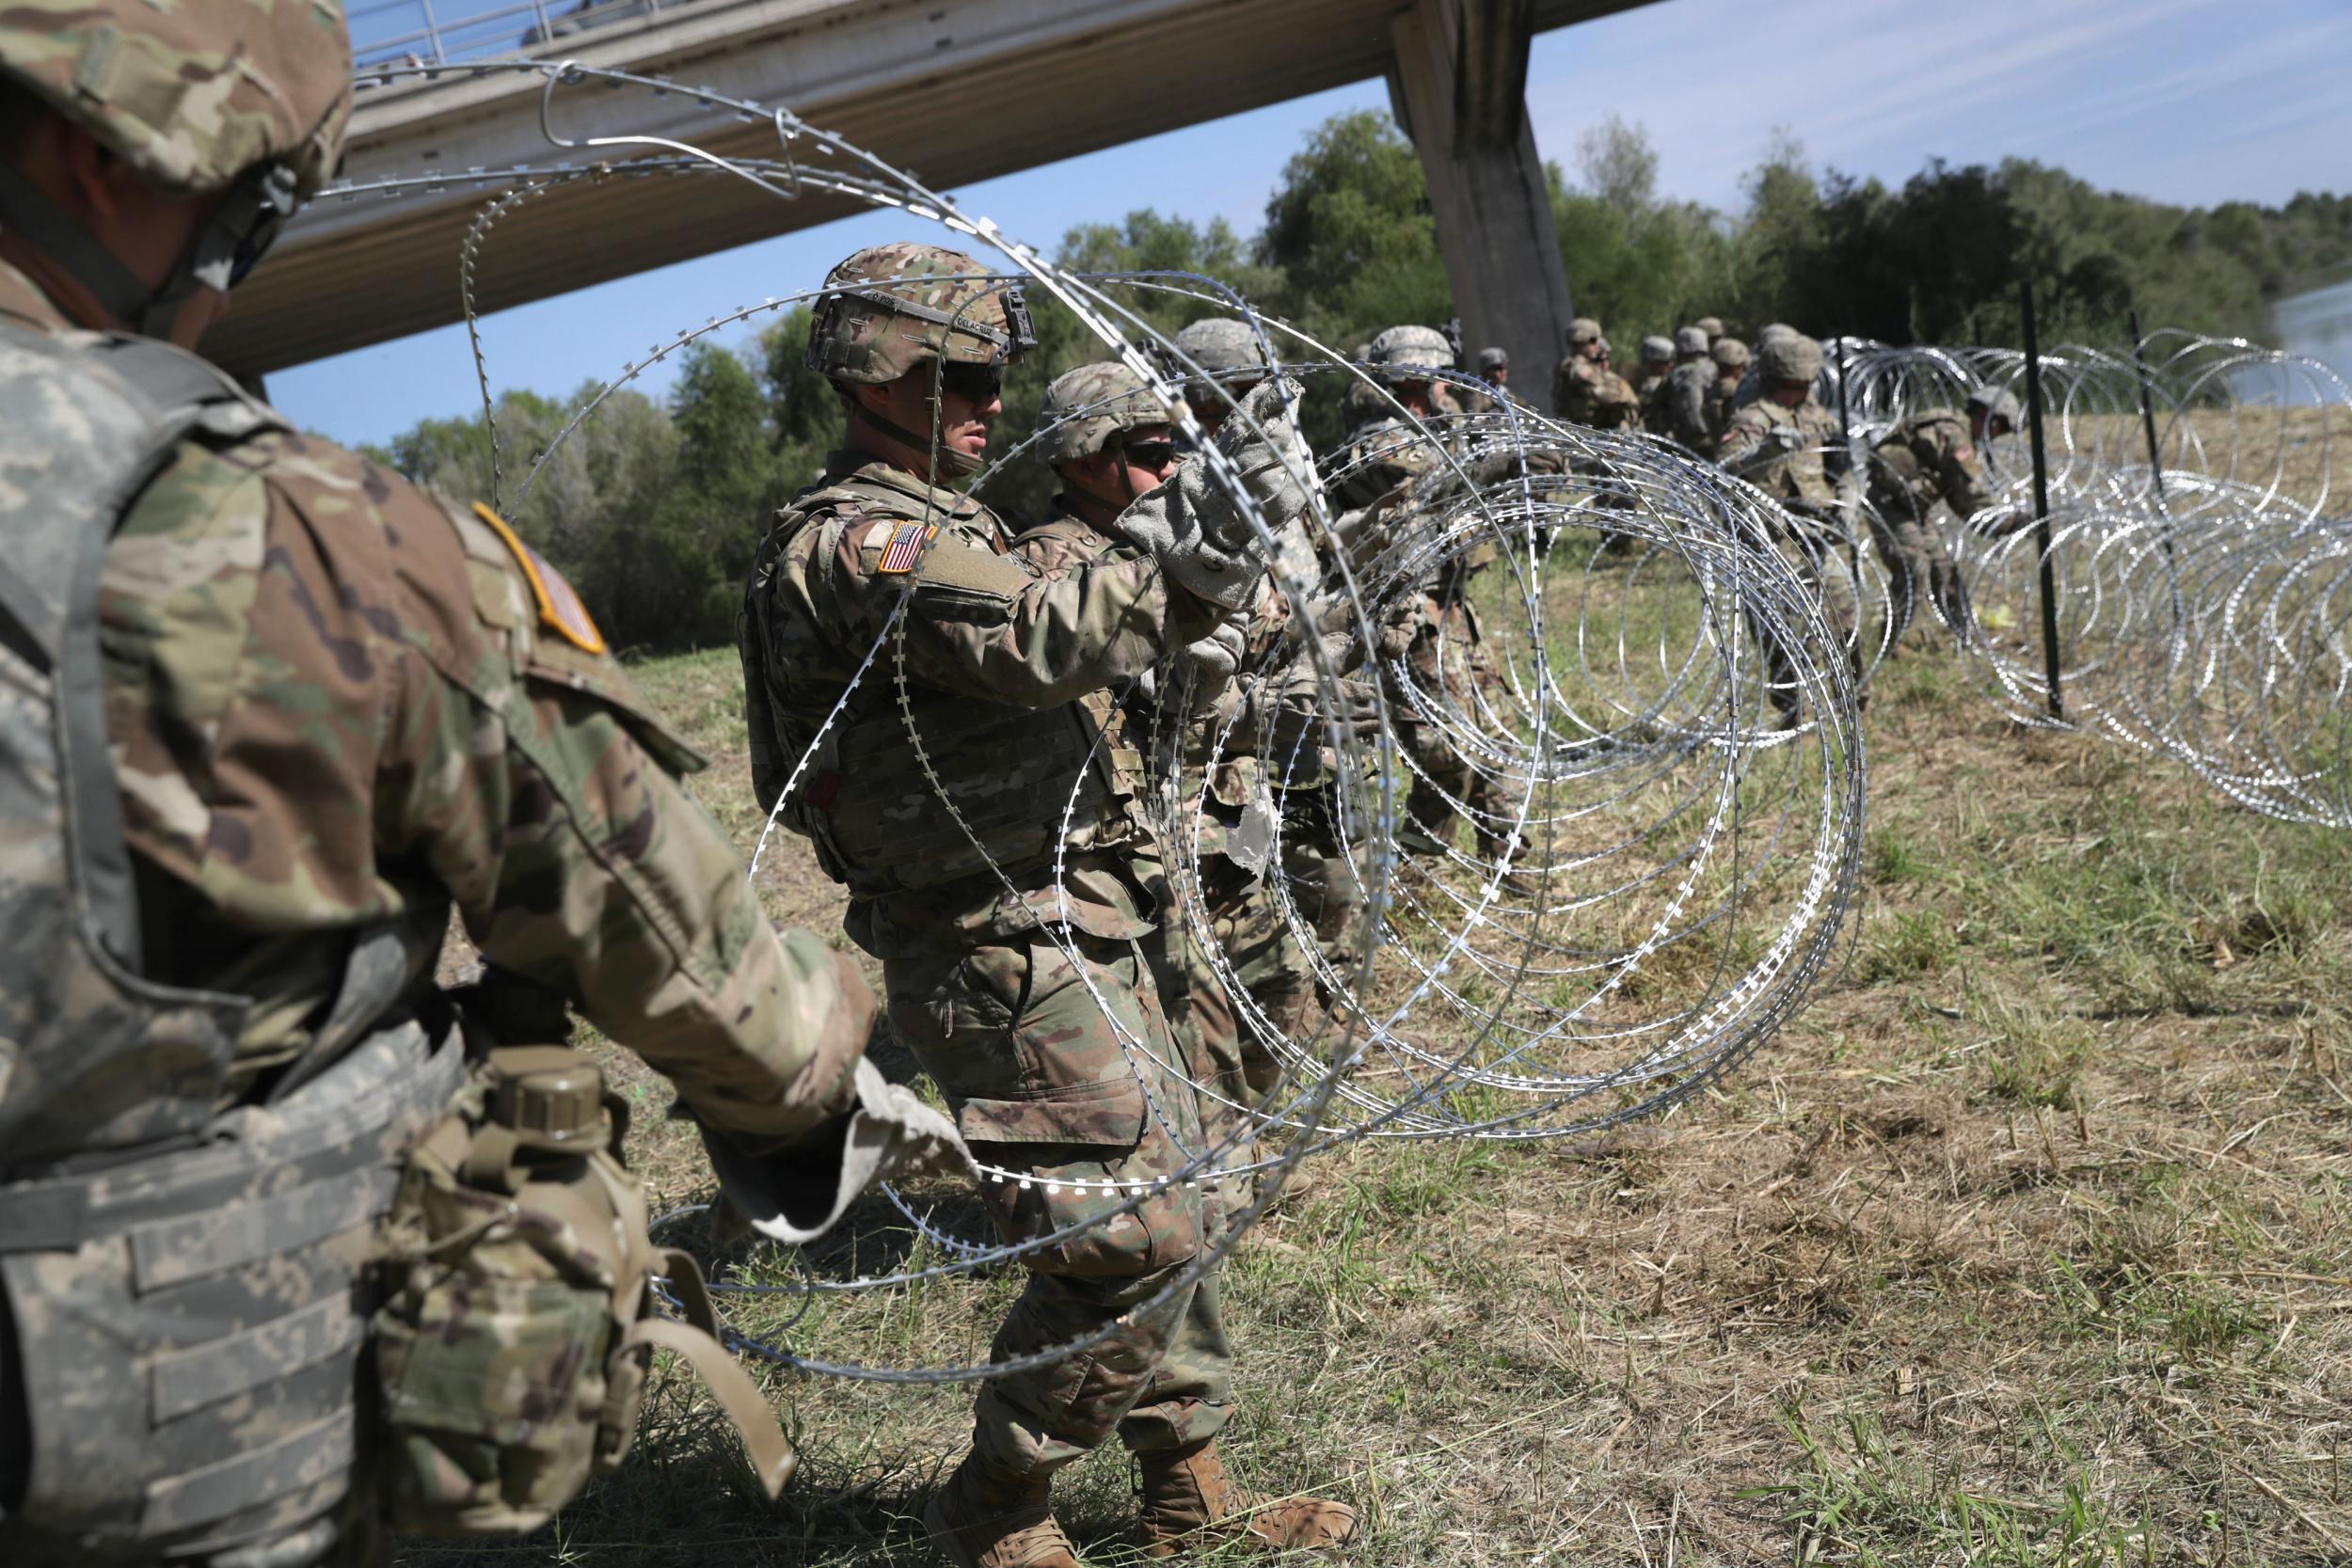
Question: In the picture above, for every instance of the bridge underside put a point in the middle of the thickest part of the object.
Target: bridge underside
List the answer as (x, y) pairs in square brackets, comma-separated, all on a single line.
[(954, 93)]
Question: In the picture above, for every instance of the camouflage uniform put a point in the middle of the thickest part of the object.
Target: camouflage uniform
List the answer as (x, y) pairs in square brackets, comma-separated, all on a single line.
[(1730, 356), (1929, 458), (1784, 452), (1681, 411), (1587, 393), (1649, 375), (339, 706), (331, 710), (1421, 623), (1485, 398), (1009, 675)]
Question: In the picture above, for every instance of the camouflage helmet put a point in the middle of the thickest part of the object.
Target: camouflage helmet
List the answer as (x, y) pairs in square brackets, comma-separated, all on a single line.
[(1220, 345), (1416, 348), (1656, 350), (891, 307), (1582, 332), (1730, 354), (1711, 325), (1776, 329), (1998, 402), (197, 93), (1791, 356), (1083, 409), (1493, 359), (1689, 343)]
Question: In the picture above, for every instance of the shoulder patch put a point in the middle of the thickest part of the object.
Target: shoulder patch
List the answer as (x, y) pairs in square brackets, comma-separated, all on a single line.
[(905, 549), (560, 609)]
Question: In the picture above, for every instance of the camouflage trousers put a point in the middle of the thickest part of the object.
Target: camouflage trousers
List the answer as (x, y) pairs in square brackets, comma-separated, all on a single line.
[(1917, 566), (1265, 957), (1018, 1031), (1449, 663), (1822, 564)]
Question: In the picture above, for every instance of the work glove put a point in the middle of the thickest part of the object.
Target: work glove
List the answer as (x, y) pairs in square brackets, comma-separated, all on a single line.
[(795, 1194), (1209, 663), (1286, 707), (1200, 533)]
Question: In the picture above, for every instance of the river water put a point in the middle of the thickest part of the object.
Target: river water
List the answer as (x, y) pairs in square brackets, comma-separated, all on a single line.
[(2318, 323)]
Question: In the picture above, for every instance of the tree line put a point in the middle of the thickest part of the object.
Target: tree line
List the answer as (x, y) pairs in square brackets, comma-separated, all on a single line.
[(653, 508)]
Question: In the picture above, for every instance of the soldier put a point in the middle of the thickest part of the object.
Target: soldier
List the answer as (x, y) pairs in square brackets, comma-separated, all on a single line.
[(985, 826), (1425, 618), (1657, 362), (1680, 411), (1586, 392), (1782, 443), (1750, 386), (1361, 402), (1229, 351), (1931, 458), (1712, 326), (307, 711), (1494, 369), (1730, 358), (1108, 442)]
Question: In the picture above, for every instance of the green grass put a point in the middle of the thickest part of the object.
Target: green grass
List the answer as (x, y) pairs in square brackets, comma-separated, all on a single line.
[(2026, 1243)]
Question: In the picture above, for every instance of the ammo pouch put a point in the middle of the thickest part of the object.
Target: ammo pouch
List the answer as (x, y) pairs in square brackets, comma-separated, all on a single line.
[(519, 1314), (190, 1320)]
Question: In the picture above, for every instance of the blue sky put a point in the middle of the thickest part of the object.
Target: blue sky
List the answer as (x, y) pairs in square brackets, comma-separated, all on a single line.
[(2186, 101)]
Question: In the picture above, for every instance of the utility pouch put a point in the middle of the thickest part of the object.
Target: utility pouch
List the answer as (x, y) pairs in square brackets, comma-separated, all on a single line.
[(519, 1317)]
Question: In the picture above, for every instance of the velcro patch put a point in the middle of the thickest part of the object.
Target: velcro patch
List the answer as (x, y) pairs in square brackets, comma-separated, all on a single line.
[(560, 610), (905, 549)]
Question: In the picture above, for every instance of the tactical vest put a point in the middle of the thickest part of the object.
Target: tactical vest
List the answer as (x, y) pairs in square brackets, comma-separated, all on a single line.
[(184, 1284), (1012, 782)]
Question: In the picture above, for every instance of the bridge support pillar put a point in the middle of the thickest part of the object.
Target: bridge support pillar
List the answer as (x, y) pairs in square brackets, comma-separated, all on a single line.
[(1459, 89)]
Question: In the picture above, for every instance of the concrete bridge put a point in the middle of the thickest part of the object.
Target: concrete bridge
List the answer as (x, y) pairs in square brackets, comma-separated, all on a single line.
[(955, 90)]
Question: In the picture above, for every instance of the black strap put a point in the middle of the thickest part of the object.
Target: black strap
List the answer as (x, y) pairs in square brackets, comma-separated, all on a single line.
[(178, 393)]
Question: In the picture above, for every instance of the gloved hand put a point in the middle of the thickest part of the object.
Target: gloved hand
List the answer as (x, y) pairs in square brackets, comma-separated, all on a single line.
[(795, 1194), (1199, 530), (1286, 708), (1208, 665)]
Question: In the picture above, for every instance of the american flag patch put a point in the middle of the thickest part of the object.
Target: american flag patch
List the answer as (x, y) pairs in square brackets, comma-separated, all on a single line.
[(906, 546)]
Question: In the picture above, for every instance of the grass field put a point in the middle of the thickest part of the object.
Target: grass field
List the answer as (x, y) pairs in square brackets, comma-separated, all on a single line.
[(2027, 1242)]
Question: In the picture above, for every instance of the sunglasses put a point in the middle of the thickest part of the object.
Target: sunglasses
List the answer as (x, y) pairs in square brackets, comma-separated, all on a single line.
[(975, 383), (1150, 454)]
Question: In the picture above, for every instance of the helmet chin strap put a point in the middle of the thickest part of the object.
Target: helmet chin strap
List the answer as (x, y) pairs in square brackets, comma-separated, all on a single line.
[(210, 261), (954, 460)]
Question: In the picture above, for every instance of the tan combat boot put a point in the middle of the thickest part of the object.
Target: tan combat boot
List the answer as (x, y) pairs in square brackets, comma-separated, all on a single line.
[(1189, 1502), (984, 1519)]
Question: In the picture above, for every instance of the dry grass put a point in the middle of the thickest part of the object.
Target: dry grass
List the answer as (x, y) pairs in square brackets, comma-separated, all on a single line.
[(2027, 1242)]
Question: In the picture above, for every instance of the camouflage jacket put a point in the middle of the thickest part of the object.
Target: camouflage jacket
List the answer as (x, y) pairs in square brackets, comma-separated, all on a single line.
[(1385, 453), (1647, 389), (336, 702), (1782, 451), (1586, 394), (1680, 414), (981, 633), (1723, 396), (1064, 541), (1926, 458)]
